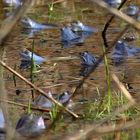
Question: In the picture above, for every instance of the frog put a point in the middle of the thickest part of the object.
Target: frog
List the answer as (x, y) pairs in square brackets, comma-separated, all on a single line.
[(87, 59), (30, 125)]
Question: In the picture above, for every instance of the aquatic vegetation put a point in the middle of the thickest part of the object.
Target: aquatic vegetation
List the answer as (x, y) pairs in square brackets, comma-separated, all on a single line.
[(113, 3), (30, 125), (87, 59), (53, 113), (123, 50)]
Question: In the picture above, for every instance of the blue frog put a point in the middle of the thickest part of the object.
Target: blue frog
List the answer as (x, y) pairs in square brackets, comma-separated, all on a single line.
[(2, 126), (43, 101), (78, 26), (68, 37), (64, 97), (132, 10), (113, 3), (30, 24), (87, 59), (123, 50), (82, 30), (26, 57), (30, 125), (14, 3)]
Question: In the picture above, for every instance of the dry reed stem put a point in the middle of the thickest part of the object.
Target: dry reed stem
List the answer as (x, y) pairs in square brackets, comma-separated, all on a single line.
[(123, 89), (9, 22), (118, 13), (25, 106), (37, 89)]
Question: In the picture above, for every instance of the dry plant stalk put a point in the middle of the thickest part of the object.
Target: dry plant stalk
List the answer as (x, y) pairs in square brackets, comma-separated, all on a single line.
[(25, 106), (37, 89), (9, 22), (123, 89), (118, 13)]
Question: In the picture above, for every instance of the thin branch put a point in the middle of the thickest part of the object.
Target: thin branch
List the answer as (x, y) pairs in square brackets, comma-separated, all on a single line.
[(25, 106), (9, 22), (108, 24), (123, 89), (38, 89), (118, 13)]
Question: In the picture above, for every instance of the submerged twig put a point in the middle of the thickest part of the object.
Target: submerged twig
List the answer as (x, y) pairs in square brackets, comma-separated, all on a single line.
[(25, 106), (38, 89)]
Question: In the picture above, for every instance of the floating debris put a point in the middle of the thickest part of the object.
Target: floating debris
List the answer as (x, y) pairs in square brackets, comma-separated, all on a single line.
[(43, 101), (30, 125), (87, 59), (123, 50), (132, 10), (30, 24), (113, 3)]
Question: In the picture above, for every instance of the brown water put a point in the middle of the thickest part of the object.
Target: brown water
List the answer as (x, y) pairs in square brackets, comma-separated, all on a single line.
[(67, 72)]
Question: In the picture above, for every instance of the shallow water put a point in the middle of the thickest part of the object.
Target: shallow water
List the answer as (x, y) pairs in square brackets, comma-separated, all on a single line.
[(66, 73)]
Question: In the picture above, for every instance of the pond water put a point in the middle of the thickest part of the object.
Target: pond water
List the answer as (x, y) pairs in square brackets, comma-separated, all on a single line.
[(64, 75)]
